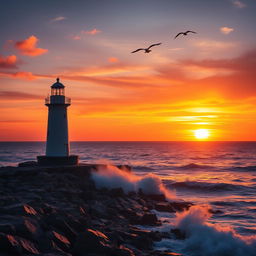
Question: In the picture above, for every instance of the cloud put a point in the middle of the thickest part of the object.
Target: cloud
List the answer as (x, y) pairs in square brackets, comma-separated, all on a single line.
[(212, 44), (86, 32), (239, 4), (176, 49), (239, 80), (59, 18), (226, 30), (8, 62), (91, 32), (25, 75), (113, 60), (76, 37), (20, 75), (243, 63), (28, 47), (14, 95), (181, 80)]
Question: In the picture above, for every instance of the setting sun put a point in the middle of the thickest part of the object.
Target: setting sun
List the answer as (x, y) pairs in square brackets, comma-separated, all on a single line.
[(201, 133)]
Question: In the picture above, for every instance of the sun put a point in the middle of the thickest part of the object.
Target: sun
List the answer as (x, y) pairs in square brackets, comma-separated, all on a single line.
[(201, 134)]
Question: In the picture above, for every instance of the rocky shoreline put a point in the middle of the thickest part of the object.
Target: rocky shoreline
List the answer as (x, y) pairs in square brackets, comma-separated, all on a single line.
[(59, 211)]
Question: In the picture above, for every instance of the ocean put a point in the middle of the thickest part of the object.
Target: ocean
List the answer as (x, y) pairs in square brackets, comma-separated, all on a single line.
[(221, 175)]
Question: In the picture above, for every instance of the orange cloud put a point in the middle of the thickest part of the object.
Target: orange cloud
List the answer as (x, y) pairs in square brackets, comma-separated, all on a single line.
[(243, 63), (25, 75), (113, 60), (91, 32), (76, 37), (14, 95), (28, 47), (21, 75), (8, 62), (226, 30)]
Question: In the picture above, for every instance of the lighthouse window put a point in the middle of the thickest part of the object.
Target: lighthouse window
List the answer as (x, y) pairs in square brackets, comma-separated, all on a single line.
[(57, 91), (61, 91)]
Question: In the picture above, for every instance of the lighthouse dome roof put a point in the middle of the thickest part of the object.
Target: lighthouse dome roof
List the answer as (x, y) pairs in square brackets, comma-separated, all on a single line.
[(57, 84)]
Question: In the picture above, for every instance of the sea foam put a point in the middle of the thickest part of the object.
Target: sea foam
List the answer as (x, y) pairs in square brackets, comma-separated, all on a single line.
[(203, 238), (109, 176)]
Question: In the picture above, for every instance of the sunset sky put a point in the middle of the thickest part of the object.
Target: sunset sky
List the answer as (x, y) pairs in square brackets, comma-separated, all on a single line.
[(202, 81)]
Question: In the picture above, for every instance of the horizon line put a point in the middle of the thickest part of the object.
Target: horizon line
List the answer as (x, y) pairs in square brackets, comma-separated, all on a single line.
[(135, 141)]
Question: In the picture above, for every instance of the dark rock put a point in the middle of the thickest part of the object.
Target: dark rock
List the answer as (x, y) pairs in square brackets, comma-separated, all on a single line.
[(29, 209), (28, 164), (125, 167), (63, 224), (52, 211), (132, 216), (142, 242), (155, 235), (160, 197), (91, 241), (14, 245), (156, 197), (28, 228), (61, 241), (164, 207), (215, 211), (180, 206), (10, 244), (148, 219), (44, 243), (122, 251), (167, 253), (28, 246), (13, 209), (116, 192), (7, 228)]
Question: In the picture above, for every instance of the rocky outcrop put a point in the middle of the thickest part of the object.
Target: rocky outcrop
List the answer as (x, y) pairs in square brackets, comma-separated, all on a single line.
[(58, 211)]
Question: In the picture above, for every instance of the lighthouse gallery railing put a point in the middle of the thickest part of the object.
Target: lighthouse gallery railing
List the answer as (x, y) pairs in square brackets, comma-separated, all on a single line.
[(57, 99)]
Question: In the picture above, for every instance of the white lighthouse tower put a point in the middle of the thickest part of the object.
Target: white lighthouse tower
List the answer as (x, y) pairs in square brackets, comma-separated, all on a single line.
[(57, 145)]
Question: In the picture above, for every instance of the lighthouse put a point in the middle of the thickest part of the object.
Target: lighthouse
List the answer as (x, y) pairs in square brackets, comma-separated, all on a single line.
[(57, 144)]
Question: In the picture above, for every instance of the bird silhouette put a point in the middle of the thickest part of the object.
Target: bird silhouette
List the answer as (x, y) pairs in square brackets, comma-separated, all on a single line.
[(184, 33), (146, 50)]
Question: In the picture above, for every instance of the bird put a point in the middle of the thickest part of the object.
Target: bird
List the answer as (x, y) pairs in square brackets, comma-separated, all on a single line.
[(147, 50), (184, 33)]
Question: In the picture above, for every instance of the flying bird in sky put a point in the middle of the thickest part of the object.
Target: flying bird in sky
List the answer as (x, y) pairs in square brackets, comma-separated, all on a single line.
[(147, 50), (184, 33)]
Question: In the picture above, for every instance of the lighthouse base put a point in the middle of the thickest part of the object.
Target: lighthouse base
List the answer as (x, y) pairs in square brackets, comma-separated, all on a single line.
[(57, 160)]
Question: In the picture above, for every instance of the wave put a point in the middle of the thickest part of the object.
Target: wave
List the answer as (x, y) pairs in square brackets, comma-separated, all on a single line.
[(193, 234), (206, 186), (240, 203), (109, 176), (142, 168), (249, 168), (203, 238), (194, 166)]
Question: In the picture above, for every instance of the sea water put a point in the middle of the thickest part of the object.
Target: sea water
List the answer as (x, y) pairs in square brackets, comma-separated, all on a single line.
[(221, 175)]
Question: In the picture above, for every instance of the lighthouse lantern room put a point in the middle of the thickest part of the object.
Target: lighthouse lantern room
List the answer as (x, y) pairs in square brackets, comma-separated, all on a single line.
[(57, 144)]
